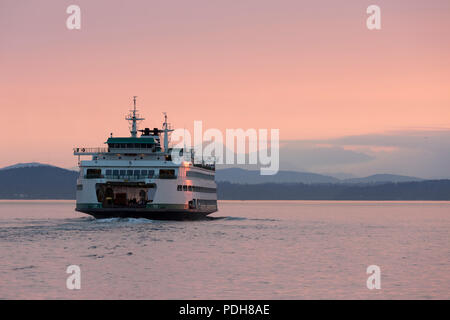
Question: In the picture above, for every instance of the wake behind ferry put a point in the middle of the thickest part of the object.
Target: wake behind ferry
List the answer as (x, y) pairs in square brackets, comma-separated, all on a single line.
[(136, 177)]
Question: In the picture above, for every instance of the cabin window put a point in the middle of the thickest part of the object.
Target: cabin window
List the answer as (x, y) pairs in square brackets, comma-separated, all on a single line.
[(144, 173), (123, 145), (189, 188), (167, 174), (115, 172), (137, 172), (93, 173), (151, 173), (184, 188), (179, 187), (108, 172), (129, 172)]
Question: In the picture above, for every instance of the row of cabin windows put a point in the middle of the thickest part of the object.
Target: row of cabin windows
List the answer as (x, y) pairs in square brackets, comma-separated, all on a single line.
[(163, 173), (132, 145), (196, 189), (116, 172)]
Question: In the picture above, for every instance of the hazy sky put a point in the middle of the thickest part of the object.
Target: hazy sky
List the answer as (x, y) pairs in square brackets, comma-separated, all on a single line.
[(346, 99)]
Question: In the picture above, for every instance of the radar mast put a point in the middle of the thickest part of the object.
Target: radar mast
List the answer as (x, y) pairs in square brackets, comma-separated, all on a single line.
[(133, 118), (166, 130)]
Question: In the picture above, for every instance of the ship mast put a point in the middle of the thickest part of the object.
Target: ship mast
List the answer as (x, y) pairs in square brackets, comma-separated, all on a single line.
[(133, 118), (166, 131)]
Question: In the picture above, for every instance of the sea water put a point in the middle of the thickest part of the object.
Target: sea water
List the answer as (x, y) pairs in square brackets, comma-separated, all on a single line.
[(246, 250)]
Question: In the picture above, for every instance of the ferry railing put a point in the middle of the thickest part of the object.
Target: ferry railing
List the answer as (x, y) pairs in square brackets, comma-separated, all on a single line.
[(89, 150), (211, 167), (93, 151), (208, 163), (136, 151)]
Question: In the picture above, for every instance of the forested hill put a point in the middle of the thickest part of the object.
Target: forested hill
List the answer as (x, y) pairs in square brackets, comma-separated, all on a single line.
[(49, 182), (420, 190), (37, 182)]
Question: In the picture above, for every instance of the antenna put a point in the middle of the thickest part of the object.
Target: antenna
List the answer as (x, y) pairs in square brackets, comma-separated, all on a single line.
[(184, 142), (133, 118), (166, 131)]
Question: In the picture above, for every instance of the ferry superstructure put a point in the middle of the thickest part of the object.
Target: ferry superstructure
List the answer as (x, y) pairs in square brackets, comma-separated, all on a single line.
[(135, 177)]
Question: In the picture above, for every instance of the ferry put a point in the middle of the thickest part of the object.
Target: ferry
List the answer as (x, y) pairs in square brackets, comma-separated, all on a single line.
[(135, 177)]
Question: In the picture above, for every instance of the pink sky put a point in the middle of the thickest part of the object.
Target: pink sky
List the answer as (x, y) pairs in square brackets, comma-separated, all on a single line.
[(312, 70)]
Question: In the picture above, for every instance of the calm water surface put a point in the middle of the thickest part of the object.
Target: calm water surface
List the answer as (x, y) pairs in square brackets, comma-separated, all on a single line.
[(253, 250)]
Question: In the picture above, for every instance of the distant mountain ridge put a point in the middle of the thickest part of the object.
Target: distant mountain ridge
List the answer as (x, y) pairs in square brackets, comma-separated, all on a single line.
[(427, 190), (37, 182), (381, 178), (238, 175), (41, 181), (27, 165)]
